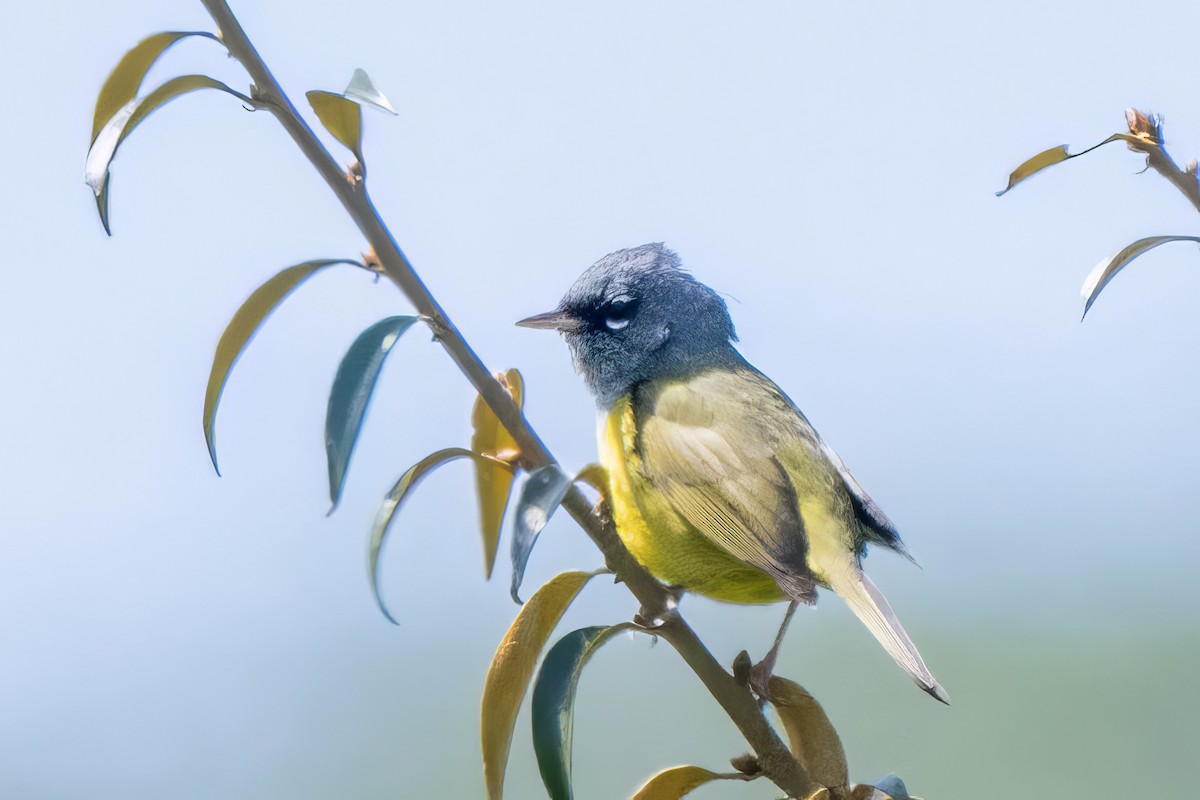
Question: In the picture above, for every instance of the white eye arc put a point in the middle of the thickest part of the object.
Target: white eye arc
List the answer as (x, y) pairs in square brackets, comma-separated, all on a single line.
[(619, 312)]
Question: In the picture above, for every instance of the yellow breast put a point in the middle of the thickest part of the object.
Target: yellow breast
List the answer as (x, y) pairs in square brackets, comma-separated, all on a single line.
[(666, 544)]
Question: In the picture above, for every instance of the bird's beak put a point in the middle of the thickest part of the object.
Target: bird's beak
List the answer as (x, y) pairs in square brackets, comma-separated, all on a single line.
[(553, 321)]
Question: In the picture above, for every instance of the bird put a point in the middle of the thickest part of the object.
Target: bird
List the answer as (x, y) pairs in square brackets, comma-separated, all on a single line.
[(717, 482)]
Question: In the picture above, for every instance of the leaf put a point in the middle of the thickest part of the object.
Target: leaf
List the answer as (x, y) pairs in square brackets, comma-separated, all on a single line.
[(129, 116), (544, 489), (352, 387), (553, 709), (126, 78), (361, 89), (341, 117), (245, 323), (673, 783), (1048, 158), (512, 668), (494, 487), (1107, 269), (812, 737), (890, 788), (391, 504), (594, 476)]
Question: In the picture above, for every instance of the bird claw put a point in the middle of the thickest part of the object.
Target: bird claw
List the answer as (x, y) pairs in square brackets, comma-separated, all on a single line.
[(654, 616), (760, 679)]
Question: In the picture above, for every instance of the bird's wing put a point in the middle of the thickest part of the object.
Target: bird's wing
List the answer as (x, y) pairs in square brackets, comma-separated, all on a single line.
[(875, 523), (710, 454)]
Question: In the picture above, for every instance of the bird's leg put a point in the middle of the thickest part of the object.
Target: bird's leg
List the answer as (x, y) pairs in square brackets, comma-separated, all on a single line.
[(760, 673)]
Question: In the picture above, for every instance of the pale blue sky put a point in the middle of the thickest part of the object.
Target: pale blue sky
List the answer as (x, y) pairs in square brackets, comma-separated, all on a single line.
[(831, 167)]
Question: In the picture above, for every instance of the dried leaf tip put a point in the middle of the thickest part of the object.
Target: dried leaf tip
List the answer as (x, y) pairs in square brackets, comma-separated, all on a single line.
[(1145, 126)]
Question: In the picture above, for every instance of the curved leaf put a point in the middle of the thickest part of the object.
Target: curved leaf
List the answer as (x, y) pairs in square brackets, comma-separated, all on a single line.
[(362, 89), (246, 321), (673, 783), (352, 387), (512, 668), (1048, 158), (890, 788), (126, 78), (391, 504), (494, 487), (129, 116), (341, 117), (540, 496), (554, 703), (1107, 269), (813, 740)]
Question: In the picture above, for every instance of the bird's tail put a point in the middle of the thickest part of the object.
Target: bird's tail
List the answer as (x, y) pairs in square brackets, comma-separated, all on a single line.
[(870, 606)]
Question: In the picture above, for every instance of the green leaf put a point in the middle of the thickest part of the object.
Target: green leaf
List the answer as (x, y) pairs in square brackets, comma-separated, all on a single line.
[(341, 117), (126, 78), (352, 387), (129, 116), (813, 740), (1048, 158), (362, 89), (674, 783), (494, 487), (245, 323), (1107, 269), (391, 504), (544, 489), (512, 668), (553, 710)]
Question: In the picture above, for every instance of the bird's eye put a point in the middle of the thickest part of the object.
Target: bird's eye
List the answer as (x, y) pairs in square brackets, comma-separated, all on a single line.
[(618, 313)]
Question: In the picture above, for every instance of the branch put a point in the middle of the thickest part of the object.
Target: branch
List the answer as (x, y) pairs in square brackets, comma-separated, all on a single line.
[(776, 760), (1146, 137)]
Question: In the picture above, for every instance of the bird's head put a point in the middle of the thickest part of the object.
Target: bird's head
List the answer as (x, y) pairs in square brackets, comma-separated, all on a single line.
[(635, 315)]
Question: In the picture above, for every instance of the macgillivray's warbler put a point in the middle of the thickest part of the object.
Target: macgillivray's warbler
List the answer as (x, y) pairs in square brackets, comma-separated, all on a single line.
[(717, 482)]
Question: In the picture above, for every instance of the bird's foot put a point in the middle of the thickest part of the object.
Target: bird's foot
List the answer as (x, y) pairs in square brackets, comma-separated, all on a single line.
[(653, 616), (760, 677)]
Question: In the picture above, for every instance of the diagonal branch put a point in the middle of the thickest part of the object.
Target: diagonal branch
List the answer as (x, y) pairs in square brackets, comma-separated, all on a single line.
[(775, 759)]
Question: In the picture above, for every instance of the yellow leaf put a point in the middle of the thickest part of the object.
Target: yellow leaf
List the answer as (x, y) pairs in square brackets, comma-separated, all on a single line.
[(341, 117), (126, 78), (812, 737), (492, 485), (673, 783), (1046, 158), (512, 669), (121, 123)]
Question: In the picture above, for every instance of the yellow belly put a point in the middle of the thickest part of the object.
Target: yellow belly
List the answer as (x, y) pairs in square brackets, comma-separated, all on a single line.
[(666, 544)]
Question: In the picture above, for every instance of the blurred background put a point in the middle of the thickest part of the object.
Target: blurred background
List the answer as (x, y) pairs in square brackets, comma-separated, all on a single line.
[(830, 167)]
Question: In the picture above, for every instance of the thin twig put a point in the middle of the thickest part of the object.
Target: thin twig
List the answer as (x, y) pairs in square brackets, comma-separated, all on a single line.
[(776, 760)]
